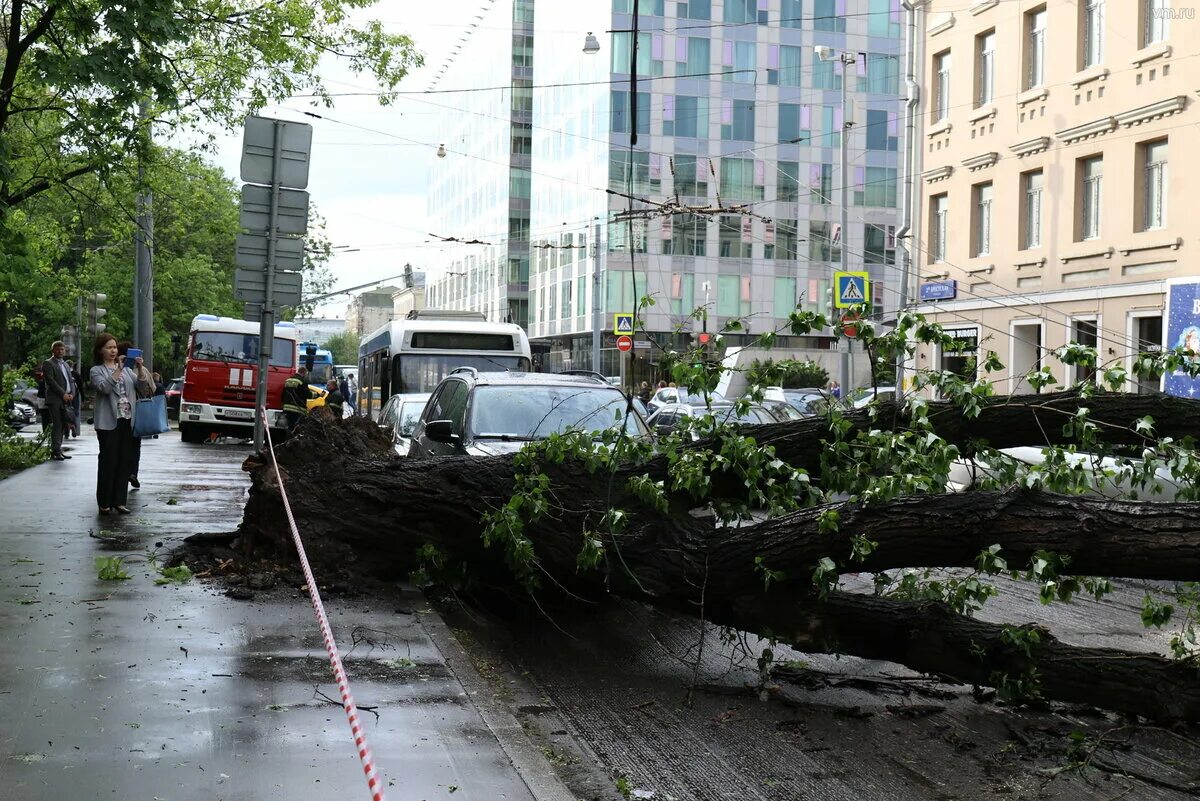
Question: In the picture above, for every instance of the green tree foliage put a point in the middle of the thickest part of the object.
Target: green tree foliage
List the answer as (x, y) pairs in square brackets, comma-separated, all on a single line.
[(787, 373), (73, 78), (344, 347)]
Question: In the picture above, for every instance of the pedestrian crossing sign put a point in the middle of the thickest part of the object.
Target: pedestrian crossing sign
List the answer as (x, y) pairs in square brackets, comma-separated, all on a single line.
[(851, 289), (623, 324)]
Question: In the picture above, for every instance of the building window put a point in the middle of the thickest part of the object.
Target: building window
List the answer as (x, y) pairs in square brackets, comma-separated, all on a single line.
[(580, 298), (879, 244), (739, 62), (881, 131), (820, 184), (689, 177), (941, 86), (688, 116), (821, 245), (1149, 332), (791, 14), (1085, 333), (826, 74), (1035, 48), (960, 357), (985, 67), (878, 188), (789, 182), (738, 124), (786, 246), (695, 9), (683, 294), (688, 234), (1031, 219), (620, 112), (739, 180), (731, 241), (618, 173), (646, 64), (733, 295), (938, 220), (883, 19), (827, 18), (1091, 32), (624, 289), (698, 57), (1155, 15), (741, 11), (785, 297), (883, 74), (982, 229), (1090, 172), (791, 65), (793, 123), (1154, 191)]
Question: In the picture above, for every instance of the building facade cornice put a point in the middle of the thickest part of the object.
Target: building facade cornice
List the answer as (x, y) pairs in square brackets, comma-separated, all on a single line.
[(938, 174), (1030, 146), (1088, 130), (982, 161), (1153, 111)]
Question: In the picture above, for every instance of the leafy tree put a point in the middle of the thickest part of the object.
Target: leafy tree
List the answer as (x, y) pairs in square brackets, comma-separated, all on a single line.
[(82, 81), (787, 373), (344, 347)]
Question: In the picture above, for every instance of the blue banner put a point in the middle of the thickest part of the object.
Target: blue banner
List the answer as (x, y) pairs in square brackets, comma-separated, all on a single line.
[(1183, 331)]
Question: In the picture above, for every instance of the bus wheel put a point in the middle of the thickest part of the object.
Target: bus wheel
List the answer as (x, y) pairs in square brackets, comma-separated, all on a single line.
[(193, 434)]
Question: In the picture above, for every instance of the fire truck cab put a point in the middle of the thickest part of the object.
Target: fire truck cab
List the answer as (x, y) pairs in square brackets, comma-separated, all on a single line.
[(221, 377)]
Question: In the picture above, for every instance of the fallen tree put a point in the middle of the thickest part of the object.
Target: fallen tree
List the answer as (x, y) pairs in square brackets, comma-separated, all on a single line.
[(778, 576)]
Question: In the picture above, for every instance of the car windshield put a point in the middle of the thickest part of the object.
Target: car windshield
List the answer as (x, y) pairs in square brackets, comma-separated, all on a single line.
[(409, 414), (423, 372), (753, 416), (535, 412), (222, 346)]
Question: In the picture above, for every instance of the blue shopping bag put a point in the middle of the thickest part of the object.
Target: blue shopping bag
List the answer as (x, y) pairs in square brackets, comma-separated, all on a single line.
[(151, 417)]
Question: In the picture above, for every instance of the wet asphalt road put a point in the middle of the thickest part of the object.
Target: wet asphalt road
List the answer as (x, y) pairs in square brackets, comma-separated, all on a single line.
[(132, 691)]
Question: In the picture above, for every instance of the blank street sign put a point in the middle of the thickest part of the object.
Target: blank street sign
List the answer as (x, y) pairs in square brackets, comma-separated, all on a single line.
[(258, 146), (256, 209), (251, 251), (251, 286)]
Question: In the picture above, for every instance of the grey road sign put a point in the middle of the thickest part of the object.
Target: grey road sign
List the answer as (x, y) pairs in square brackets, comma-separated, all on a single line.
[(251, 251), (258, 148), (251, 286), (256, 209), (252, 312)]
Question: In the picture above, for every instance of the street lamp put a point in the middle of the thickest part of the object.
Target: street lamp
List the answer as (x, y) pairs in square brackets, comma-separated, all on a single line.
[(591, 45), (441, 151), (847, 59)]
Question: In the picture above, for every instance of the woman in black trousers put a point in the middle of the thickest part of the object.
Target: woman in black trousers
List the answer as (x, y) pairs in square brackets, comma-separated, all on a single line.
[(116, 405)]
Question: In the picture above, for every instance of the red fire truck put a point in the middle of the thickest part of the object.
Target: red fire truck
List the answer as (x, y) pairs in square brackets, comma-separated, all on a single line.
[(221, 377)]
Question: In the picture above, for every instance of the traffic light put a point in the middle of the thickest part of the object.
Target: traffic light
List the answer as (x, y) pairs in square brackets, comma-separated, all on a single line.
[(95, 312)]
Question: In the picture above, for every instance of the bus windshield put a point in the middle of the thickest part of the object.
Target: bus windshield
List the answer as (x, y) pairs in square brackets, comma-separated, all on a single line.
[(320, 373), (422, 373), (223, 346)]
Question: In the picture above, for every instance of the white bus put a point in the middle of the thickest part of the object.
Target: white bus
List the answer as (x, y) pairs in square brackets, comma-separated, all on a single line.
[(412, 356)]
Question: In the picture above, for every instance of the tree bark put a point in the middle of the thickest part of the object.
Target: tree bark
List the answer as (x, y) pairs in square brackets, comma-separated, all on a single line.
[(353, 501)]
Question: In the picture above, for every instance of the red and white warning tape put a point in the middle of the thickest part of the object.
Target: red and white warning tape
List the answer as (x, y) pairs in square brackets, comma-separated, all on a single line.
[(335, 659)]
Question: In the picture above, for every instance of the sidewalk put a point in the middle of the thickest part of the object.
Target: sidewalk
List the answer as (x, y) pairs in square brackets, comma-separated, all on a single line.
[(128, 690)]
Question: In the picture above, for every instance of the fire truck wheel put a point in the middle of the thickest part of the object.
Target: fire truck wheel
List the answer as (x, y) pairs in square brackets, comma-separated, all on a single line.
[(193, 434)]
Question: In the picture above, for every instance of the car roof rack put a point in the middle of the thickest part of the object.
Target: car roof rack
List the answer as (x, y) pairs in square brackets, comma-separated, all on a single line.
[(470, 370), (585, 374)]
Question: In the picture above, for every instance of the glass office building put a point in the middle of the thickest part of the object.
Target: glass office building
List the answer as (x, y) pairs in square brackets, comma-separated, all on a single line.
[(730, 198), (479, 195)]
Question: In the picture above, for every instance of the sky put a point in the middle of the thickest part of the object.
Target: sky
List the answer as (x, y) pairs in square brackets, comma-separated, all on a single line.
[(369, 185)]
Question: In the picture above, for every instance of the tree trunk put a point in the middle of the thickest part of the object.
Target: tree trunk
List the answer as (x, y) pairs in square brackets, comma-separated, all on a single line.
[(353, 501)]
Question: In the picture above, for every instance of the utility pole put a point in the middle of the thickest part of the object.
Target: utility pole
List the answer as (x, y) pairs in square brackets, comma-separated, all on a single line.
[(596, 296), (266, 329), (848, 60), (143, 282)]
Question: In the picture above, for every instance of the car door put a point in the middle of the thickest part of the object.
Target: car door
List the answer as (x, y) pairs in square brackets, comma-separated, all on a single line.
[(449, 402), (664, 423)]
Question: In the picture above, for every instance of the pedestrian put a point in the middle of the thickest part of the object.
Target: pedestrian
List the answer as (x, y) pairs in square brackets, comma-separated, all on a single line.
[(662, 384), (144, 383), (77, 401), (335, 401), (344, 388), (644, 392), (116, 395), (295, 398), (60, 394), (835, 390)]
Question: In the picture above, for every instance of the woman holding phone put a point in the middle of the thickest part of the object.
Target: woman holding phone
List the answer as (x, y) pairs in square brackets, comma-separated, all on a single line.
[(116, 404)]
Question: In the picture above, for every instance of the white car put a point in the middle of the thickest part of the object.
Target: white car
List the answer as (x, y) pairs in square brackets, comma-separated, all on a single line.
[(399, 417), (863, 396), (964, 473)]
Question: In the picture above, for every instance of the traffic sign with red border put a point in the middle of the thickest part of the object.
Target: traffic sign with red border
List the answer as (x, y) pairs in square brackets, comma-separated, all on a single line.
[(624, 344)]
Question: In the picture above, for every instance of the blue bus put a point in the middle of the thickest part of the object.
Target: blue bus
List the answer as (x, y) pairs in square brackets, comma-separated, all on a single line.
[(318, 361)]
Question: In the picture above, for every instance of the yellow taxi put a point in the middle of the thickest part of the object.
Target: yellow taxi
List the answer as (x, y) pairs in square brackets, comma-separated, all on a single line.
[(316, 397)]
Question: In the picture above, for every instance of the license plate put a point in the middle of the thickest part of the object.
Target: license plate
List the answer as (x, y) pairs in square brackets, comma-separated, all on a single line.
[(240, 414)]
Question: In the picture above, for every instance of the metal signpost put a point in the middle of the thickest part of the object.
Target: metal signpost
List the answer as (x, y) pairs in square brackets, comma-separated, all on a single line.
[(275, 155)]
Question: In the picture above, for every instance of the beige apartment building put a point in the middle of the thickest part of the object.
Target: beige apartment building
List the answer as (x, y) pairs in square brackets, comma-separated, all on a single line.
[(1058, 153)]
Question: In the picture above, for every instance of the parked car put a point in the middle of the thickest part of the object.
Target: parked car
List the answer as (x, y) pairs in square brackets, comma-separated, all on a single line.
[(21, 414), (667, 418), (808, 401), (174, 393), (399, 417), (668, 395), (863, 396), (482, 414), (782, 411)]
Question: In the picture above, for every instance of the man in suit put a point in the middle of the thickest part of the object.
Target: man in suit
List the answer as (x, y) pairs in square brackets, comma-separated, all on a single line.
[(60, 395)]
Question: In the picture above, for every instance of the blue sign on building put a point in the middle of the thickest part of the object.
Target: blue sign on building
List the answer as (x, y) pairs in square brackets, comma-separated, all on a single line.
[(1183, 331), (939, 290)]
